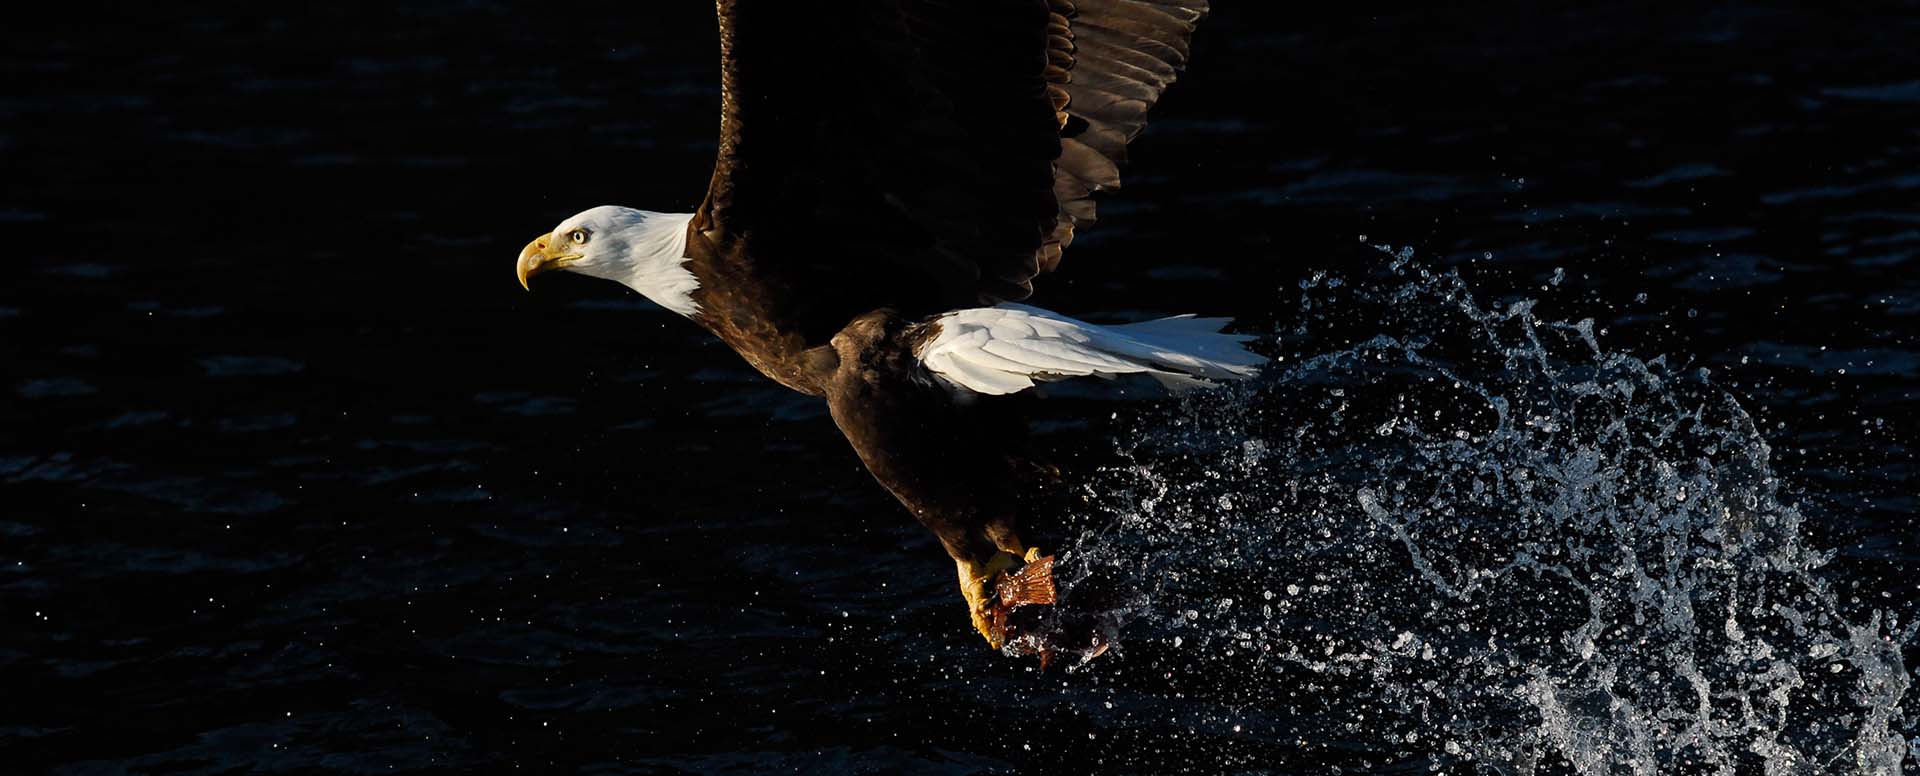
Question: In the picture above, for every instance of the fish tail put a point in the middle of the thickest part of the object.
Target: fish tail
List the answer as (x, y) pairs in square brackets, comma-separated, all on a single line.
[(1029, 584)]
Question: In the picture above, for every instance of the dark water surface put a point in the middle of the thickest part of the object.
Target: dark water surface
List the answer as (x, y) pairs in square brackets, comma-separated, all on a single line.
[(297, 478)]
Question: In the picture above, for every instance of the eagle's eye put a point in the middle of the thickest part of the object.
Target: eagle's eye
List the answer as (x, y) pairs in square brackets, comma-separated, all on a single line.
[(578, 236)]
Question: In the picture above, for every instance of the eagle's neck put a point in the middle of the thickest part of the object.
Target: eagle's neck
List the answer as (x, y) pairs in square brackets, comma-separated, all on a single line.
[(650, 256)]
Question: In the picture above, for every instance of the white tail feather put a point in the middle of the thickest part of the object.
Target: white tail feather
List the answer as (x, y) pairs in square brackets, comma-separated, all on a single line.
[(1006, 348)]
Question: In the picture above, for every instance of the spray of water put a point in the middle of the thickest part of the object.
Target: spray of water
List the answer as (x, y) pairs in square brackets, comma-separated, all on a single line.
[(1456, 534)]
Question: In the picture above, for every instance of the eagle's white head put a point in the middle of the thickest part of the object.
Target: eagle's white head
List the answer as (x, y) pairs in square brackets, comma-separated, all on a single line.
[(643, 250)]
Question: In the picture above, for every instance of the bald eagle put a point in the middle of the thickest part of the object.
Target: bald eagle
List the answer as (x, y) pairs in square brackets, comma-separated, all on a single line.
[(892, 176)]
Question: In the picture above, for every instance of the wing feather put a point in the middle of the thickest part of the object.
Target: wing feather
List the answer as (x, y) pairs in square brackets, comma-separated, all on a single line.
[(1126, 53), (924, 155)]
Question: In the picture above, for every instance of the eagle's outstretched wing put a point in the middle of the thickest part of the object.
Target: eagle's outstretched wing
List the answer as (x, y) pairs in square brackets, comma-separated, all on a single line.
[(924, 154), (1120, 55)]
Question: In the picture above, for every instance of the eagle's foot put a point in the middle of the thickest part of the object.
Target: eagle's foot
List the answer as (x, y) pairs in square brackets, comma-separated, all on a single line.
[(994, 589)]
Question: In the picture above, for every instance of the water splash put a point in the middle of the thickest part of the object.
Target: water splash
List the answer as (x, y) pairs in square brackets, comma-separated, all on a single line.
[(1464, 534)]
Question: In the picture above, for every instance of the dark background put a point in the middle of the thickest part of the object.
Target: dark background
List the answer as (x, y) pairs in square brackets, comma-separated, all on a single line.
[(298, 478)]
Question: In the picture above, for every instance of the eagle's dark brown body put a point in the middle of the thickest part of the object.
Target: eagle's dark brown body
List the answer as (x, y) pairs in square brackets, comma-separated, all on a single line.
[(951, 464)]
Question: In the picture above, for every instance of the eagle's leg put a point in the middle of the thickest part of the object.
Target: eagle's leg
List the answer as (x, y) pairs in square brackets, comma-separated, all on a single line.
[(948, 462)]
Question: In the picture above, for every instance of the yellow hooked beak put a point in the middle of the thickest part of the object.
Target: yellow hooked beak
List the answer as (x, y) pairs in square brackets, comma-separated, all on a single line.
[(539, 256)]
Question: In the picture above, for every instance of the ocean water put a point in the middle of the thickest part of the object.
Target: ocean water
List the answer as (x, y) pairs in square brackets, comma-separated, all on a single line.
[(1586, 449), (1480, 537)]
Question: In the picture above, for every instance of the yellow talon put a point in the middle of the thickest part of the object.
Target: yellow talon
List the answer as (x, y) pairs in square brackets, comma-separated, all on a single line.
[(974, 578)]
